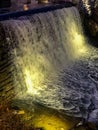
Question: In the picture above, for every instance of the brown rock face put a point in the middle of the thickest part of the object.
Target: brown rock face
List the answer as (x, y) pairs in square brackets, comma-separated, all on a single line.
[(95, 15), (92, 23), (93, 27)]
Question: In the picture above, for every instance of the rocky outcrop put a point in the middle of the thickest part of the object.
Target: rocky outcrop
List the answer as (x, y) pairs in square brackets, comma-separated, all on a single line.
[(93, 23), (95, 15), (89, 16)]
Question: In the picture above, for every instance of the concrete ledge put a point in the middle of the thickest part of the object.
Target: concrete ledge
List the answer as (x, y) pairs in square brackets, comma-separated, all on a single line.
[(10, 15)]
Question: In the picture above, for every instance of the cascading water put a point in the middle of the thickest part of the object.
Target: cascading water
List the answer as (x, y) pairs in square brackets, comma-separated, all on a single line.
[(41, 52)]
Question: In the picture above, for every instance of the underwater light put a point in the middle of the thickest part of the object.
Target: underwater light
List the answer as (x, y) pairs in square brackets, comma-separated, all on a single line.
[(50, 122)]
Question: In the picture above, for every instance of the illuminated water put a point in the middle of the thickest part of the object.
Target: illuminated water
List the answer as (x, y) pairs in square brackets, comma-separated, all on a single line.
[(51, 61)]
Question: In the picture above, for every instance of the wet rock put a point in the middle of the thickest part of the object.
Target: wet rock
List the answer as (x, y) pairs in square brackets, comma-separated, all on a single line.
[(91, 24), (89, 16), (93, 27), (95, 15)]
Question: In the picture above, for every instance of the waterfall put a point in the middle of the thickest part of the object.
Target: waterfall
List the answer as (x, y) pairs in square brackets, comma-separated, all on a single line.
[(34, 51)]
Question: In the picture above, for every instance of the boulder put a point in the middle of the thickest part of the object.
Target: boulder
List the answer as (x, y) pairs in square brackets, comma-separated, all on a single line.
[(91, 24)]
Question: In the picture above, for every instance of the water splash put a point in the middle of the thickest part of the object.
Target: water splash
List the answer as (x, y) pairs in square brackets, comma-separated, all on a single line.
[(41, 46), (50, 62)]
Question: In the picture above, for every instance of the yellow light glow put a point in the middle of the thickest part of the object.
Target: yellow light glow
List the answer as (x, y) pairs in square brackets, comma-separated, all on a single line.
[(25, 7), (52, 121), (30, 87), (49, 122), (78, 39), (79, 44), (43, 1)]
